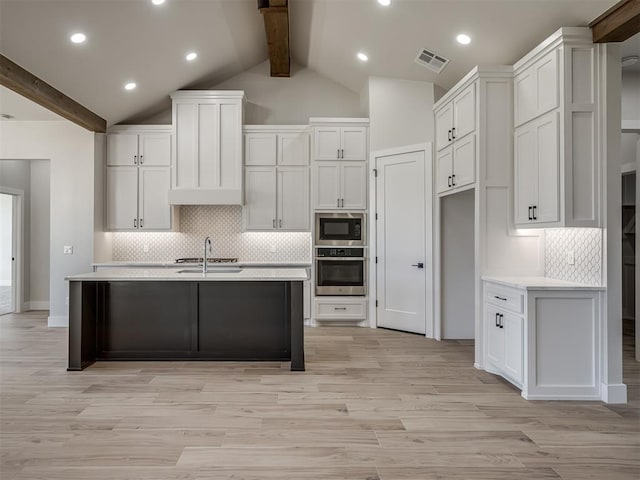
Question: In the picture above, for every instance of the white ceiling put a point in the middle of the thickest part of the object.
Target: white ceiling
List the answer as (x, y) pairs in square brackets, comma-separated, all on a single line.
[(134, 40)]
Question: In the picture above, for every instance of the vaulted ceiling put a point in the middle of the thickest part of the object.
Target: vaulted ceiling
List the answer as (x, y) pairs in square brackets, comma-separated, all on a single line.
[(133, 40)]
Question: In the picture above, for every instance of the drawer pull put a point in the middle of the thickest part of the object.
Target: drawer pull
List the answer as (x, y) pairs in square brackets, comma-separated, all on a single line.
[(339, 308), (500, 298)]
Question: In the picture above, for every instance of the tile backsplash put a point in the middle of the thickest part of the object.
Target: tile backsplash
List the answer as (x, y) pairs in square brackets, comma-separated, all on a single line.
[(587, 245), (224, 225)]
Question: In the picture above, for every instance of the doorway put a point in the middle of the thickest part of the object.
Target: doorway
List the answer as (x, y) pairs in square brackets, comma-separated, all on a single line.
[(8, 242), (403, 229)]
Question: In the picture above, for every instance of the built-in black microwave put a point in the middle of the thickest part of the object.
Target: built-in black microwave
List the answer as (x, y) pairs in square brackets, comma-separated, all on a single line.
[(340, 229)]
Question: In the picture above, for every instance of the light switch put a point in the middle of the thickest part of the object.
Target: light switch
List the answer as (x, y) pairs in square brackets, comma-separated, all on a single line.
[(571, 257), (68, 250)]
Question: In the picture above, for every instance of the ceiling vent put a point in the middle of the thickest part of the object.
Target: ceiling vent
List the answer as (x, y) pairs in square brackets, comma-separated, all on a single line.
[(431, 60)]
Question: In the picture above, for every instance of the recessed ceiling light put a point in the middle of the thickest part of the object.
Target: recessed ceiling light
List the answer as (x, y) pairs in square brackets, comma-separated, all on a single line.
[(384, 3), (630, 60), (130, 86), (191, 56), (78, 37), (157, 2), (463, 39), (362, 57)]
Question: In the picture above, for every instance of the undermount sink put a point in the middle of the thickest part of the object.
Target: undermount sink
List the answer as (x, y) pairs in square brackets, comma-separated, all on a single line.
[(211, 270)]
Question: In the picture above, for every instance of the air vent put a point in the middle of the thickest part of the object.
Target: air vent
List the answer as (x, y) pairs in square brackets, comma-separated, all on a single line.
[(431, 60)]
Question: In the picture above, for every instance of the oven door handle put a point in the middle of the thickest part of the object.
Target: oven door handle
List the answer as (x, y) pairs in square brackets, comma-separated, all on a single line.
[(338, 259)]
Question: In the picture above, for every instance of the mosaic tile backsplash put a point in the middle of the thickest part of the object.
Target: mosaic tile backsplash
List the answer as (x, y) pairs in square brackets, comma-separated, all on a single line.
[(224, 225), (587, 246)]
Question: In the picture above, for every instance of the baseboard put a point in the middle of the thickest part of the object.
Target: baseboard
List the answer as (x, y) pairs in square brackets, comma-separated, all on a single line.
[(37, 305), (58, 321), (614, 393)]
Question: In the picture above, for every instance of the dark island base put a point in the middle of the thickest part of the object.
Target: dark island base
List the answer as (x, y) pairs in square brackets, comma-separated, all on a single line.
[(163, 320)]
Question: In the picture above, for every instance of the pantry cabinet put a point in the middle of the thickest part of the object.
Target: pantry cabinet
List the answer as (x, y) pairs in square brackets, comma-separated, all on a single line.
[(557, 159), (138, 179), (456, 165), (207, 153), (276, 178), (456, 118), (340, 143)]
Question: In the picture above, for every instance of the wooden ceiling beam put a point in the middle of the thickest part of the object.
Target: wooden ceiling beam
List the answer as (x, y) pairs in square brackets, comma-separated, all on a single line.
[(617, 24), (276, 24), (23, 82)]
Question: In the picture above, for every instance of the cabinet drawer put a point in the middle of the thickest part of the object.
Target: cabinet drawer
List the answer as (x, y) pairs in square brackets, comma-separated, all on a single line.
[(505, 297), (333, 309)]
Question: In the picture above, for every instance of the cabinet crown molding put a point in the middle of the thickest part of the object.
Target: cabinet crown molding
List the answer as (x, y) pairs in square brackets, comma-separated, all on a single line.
[(209, 94), (564, 35), (476, 72), (337, 121), (140, 129)]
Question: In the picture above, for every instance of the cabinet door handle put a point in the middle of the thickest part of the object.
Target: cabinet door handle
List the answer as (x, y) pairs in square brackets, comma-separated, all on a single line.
[(501, 320), (453, 133), (274, 223), (500, 298), (530, 217), (280, 223), (141, 223), (497, 322), (342, 202), (339, 308), (449, 181), (534, 212), (135, 159), (337, 203), (338, 154), (342, 153), (135, 223), (449, 135), (141, 159), (453, 180)]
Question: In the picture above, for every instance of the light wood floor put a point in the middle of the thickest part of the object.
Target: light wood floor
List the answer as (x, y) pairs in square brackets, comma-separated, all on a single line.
[(373, 404)]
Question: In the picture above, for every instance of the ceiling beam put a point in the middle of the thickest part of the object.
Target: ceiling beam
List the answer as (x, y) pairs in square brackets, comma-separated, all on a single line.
[(276, 24), (21, 81), (617, 24)]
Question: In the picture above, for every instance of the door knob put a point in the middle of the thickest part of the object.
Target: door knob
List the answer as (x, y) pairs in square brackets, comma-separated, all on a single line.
[(419, 265)]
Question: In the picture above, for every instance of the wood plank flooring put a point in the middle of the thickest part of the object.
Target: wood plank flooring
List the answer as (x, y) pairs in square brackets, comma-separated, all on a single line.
[(373, 405)]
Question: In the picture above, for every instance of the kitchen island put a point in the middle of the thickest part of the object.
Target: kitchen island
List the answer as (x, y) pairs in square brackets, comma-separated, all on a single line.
[(239, 314)]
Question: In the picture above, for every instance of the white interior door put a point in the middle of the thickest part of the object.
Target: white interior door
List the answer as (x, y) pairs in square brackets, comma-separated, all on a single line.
[(7, 253), (401, 249)]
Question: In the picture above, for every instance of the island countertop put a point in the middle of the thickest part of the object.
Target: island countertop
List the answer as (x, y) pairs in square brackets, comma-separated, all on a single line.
[(214, 275), (540, 283)]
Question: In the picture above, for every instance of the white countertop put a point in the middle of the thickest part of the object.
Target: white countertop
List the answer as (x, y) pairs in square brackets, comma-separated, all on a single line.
[(171, 274), (541, 283), (172, 264)]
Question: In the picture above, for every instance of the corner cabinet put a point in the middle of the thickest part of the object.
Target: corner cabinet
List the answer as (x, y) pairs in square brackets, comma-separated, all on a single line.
[(208, 148), (276, 178), (139, 179), (339, 171), (556, 141), (527, 322), (455, 120)]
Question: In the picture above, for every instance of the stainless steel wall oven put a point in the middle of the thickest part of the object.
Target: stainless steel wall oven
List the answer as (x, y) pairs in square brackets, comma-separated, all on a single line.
[(341, 271)]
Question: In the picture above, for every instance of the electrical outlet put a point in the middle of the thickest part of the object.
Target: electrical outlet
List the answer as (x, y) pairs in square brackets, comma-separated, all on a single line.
[(145, 248), (68, 250), (272, 249), (571, 257)]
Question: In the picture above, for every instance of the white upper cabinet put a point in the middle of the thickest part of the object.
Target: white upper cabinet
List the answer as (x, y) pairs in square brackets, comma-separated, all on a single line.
[(139, 178), (326, 186), (456, 118), (340, 143), (557, 139), (340, 185), (276, 178), (208, 149), (354, 186)]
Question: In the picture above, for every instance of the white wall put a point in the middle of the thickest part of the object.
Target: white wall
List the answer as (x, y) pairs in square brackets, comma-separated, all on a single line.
[(6, 240), (630, 96), (400, 111), (40, 235), (286, 101), (70, 149), (16, 174)]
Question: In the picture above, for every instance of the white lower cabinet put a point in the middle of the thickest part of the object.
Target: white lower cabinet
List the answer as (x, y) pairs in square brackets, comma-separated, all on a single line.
[(340, 308), (137, 198), (544, 337)]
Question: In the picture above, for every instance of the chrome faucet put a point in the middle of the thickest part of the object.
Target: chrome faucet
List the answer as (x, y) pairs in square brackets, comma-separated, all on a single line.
[(207, 242)]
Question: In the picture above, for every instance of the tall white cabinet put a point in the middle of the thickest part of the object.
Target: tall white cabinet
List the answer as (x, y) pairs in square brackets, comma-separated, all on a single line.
[(557, 157), (276, 178), (139, 178), (339, 172)]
